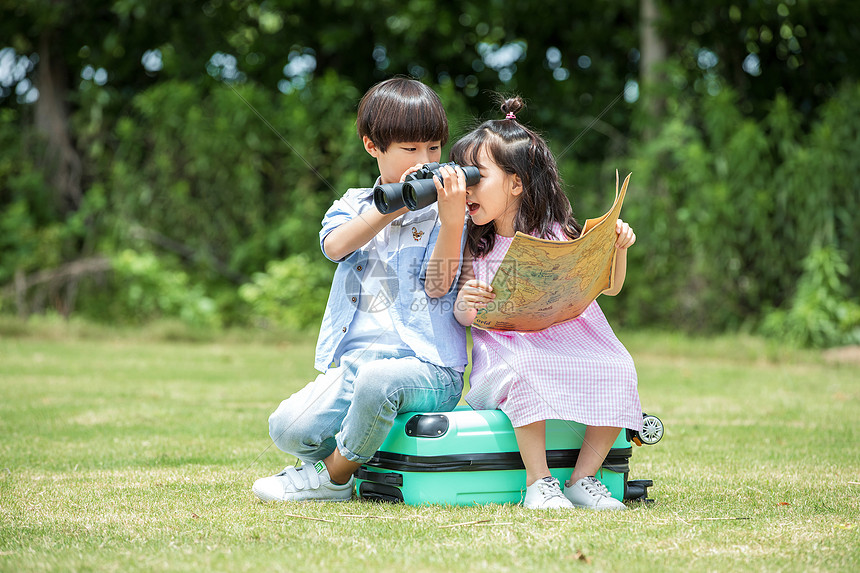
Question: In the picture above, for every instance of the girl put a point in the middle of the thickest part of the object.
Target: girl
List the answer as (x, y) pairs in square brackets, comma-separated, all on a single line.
[(577, 370)]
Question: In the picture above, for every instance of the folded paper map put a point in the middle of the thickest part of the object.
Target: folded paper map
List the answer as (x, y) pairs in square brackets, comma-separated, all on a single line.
[(541, 283)]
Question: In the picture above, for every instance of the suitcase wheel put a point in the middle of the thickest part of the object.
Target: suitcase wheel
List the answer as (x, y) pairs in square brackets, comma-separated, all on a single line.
[(379, 492), (652, 430), (637, 490)]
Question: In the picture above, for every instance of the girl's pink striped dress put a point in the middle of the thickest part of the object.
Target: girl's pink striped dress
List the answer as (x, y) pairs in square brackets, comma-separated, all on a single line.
[(577, 370)]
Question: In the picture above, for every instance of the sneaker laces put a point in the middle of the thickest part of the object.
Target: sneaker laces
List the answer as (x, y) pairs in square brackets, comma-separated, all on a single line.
[(546, 489), (594, 487)]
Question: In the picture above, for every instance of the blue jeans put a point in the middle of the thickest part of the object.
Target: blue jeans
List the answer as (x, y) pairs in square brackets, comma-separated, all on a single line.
[(352, 407)]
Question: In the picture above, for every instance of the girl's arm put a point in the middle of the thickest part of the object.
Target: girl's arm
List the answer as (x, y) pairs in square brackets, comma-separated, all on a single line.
[(626, 238), (443, 263), (473, 294)]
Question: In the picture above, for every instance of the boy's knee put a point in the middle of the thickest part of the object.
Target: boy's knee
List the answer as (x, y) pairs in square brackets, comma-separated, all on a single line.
[(278, 427), (289, 433)]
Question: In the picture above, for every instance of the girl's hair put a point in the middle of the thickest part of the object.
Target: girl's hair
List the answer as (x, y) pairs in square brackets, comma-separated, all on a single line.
[(401, 109), (518, 150)]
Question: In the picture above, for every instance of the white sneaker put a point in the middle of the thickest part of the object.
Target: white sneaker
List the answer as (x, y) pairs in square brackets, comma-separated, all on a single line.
[(590, 493), (545, 493), (307, 482)]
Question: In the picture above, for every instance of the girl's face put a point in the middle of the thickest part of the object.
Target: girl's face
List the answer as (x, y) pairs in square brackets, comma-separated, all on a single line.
[(496, 197)]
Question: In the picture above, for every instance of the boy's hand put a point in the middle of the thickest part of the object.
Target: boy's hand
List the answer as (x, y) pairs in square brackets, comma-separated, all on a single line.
[(626, 236), (412, 169), (451, 195), (475, 294)]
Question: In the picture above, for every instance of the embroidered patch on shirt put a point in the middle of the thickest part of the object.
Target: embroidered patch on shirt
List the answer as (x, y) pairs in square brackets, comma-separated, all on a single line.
[(416, 233)]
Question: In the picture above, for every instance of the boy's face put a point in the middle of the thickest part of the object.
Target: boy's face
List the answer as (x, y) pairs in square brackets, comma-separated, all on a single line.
[(401, 155)]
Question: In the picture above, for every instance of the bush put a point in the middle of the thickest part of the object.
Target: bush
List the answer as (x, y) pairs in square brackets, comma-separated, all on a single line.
[(32, 236), (731, 213), (145, 289), (820, 314), (236, 175), (290, 294)]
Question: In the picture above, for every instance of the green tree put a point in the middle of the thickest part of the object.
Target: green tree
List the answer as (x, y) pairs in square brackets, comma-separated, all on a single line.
[(214, 134)]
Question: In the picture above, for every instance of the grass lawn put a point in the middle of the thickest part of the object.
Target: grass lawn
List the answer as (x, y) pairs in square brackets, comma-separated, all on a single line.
[(135, 453)]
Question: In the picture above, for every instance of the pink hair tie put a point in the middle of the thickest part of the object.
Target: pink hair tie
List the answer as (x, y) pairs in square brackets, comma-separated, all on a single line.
[(510, 115)]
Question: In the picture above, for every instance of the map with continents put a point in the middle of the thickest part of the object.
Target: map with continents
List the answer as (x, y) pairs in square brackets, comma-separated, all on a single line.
[(541, 282)]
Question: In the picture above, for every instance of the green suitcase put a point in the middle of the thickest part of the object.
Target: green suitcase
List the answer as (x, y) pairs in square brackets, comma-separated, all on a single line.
[(468, 457)]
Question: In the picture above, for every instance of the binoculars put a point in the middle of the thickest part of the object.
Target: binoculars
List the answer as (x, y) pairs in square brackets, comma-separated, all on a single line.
[(417, 190)]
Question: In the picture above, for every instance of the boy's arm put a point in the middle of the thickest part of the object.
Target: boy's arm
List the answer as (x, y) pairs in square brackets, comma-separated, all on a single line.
[(357, 232), (349, 236), (626, 238), (445, 260)]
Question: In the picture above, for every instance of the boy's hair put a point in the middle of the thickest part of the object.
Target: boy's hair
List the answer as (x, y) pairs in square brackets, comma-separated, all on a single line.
[(518, 150), (401, 109)]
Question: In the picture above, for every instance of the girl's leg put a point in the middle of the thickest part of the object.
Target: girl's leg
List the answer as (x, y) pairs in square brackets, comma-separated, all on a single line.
[(542, 490), (596, 444), (584, 489), (531, 440)]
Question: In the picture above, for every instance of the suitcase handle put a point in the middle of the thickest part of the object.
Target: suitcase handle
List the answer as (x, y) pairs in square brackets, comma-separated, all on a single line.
[(427, 426)]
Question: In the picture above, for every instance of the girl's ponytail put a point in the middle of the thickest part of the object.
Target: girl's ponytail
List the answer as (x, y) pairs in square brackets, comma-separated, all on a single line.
[(511, 106)]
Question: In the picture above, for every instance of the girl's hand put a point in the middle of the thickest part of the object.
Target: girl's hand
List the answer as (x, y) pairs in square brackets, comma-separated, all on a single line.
[(626, 236), (475, 294), (451, 195)]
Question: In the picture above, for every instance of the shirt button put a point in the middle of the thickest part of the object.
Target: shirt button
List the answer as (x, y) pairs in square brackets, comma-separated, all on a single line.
[(358, 268), (354, 299), (344, 329)]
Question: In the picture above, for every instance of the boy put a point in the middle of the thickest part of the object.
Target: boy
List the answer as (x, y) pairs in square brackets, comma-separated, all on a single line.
[(389, 341)]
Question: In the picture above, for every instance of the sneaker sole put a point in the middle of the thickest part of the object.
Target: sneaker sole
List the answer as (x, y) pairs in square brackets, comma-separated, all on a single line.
[(540, 508), (263, 496), (612, 508)]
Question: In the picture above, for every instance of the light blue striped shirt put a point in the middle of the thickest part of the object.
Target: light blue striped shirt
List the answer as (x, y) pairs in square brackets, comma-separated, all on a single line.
[(425, 325)]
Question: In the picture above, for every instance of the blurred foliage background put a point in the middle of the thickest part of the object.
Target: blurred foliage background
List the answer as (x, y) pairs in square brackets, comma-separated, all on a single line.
[(174, 159)]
